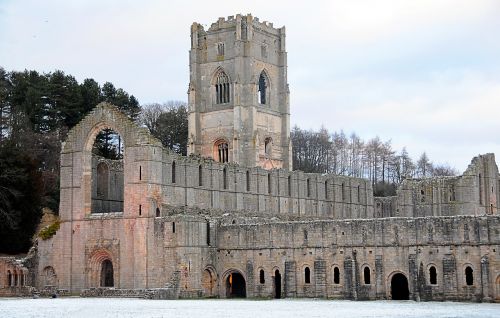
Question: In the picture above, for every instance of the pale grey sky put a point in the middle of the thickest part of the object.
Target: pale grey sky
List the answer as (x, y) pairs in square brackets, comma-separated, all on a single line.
[(425, 74)]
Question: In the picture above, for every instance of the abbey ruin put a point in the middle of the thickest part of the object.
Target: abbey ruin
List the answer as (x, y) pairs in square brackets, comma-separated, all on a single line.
[(232, 219)]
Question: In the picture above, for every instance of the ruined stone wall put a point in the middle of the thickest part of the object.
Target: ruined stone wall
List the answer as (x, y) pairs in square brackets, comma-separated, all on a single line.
[(188, 223), (387, 246)]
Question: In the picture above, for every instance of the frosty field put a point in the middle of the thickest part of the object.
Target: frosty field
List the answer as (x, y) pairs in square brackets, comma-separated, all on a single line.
[(119, 307)]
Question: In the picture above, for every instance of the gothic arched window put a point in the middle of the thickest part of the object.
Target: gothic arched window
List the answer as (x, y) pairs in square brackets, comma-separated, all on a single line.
[(221, 88), (267, 146), (221, 151), (263, 88)]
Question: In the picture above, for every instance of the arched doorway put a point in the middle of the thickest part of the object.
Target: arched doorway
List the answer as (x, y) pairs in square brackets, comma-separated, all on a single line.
[(399, 287), (107, 279), (208, 282), (236, 286), (277, 284)]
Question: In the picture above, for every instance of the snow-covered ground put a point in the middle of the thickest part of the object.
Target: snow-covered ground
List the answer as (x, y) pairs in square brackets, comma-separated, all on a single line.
[(113, 307)]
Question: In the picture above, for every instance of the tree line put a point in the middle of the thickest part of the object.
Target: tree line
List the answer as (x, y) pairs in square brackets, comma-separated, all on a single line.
[(334, 152)]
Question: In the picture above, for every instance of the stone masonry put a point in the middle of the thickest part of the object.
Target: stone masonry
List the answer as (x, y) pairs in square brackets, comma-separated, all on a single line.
[(246, 225)]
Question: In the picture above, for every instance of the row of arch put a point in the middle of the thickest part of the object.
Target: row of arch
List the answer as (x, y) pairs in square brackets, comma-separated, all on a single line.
[(15, 278), (222, 84)]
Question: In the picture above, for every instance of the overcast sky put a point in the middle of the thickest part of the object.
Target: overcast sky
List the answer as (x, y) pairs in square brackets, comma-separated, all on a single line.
[(425, 74)]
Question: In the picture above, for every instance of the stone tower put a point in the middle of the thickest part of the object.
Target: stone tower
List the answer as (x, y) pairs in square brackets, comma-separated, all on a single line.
[(238, 93)]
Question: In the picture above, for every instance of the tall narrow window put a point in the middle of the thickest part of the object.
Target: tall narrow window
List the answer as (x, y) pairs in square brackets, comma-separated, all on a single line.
[(267, 147), (432, 275), (343, 192), (173, 227), (336, 275), (308, 187), (262, 279), (222, 88), (326, 189), (157, 212), (208, 233), (269, 184), (221, 151), (289, 186), (220, 49), (9, 278), (366, 276), (263, 84), (248, 181), (307, 275), (359, 194), (469, 276), (140, 172), (173, 171), (200, 175), (140, 209), (224, 178)]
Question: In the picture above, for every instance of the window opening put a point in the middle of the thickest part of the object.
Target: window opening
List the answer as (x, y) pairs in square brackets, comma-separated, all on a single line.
[(366, 276), (307, 275)]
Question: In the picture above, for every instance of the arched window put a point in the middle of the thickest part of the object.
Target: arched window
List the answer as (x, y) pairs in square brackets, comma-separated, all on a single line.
[(366, 276), (221, 151), (9, 278), (221, 88), (267, 146), (262, 279), (157, 212), (102, 180), (224, 178), (289, 186), (200, 176), (336, 275), (432, 275), (21, 278), (263, 88), (469, 276), (307, 275), (173, 171)]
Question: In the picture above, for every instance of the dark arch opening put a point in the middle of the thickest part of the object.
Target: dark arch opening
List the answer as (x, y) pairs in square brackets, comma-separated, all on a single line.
[(469, 276), (9, 278), (262, 278), (366, 276), (432, 275), (336, 275), (107, 279), (236, 286), (399, 287), (158, 212), (307, 275), (277, 284)]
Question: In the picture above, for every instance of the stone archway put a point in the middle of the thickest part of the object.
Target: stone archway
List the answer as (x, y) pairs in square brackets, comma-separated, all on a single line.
[(209, 281), (399, 287), (107, 274), (277, 284), (235, 285)]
